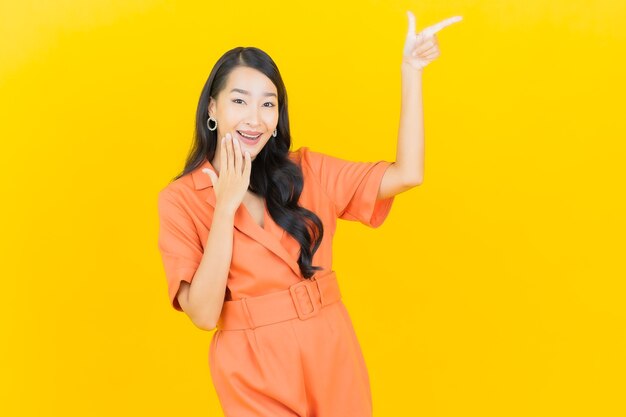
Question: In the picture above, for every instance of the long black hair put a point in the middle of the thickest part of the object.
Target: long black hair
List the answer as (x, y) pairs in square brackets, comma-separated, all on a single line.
[(273, 176)]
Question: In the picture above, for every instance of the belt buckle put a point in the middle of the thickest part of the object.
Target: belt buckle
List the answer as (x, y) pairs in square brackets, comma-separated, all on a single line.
[(296, 300)]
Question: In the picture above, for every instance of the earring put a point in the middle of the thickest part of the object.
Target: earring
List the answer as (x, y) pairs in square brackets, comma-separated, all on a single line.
[(208, 124), (275, 133)]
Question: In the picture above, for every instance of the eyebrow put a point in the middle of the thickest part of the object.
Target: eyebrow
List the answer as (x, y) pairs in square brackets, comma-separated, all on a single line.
[(239, 90)]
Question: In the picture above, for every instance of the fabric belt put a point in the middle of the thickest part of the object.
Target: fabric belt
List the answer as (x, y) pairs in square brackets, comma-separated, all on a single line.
[(302, 300)]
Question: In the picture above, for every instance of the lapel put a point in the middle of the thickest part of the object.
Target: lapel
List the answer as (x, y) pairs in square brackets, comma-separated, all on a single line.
[(270, 236)]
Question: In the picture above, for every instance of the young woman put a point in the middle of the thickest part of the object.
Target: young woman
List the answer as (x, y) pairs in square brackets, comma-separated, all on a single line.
[(246, 238)]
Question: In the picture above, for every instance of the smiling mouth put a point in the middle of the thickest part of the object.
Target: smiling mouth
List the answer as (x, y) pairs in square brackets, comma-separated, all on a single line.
[(249, 136), (247, 139)]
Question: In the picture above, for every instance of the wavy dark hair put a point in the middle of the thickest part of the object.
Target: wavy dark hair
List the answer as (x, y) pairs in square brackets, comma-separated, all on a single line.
[(273, 176)]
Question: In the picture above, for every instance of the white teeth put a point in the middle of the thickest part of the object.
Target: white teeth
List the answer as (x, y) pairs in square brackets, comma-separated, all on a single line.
[(249, 137)]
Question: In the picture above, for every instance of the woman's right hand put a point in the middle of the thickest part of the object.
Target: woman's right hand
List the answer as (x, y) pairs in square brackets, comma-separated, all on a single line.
[(231, 185)]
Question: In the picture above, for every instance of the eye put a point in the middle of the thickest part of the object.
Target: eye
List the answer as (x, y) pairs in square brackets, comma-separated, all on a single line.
[(270, 104), (237, 99)]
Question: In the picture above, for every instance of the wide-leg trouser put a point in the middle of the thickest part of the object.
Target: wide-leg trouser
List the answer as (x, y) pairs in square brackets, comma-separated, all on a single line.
[(306, 367)]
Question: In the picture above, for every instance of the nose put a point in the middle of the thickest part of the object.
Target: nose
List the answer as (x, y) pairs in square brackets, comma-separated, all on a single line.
[(253, 117)]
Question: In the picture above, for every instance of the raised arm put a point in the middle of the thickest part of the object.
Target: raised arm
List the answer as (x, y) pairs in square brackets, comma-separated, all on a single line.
[(419, 50)]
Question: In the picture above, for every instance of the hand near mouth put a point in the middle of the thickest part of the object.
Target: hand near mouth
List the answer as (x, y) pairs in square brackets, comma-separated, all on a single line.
[(234, 176)]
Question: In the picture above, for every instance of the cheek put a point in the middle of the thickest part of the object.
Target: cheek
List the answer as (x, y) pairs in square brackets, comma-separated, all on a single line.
[(231, 114), (271, 119)]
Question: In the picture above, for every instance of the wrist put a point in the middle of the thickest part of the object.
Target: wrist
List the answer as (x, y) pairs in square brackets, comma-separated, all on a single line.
[(405, 67), (224, 211)]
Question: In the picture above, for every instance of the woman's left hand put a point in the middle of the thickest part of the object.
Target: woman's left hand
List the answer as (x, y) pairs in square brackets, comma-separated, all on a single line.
[(422, 48)]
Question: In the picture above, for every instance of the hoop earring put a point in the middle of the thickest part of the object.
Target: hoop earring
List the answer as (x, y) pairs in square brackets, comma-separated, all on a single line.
[(209, 126), (275, 133)]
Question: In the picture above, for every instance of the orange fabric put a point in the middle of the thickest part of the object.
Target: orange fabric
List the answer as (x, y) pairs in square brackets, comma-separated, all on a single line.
[(299, 367), (302, 300)]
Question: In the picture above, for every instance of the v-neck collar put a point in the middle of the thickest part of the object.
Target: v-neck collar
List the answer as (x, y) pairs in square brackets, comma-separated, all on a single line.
[(269, 236)]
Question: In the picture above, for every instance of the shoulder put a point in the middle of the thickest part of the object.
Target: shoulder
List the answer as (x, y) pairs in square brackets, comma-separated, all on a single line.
[(178, 186), (308, 159), (177, 192)]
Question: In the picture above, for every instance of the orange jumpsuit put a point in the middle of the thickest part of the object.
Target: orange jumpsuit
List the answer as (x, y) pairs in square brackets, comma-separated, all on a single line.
[(298, 367)]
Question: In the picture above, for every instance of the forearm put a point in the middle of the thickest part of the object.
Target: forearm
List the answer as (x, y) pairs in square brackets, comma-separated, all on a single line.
[(410, 151), (208, 287)]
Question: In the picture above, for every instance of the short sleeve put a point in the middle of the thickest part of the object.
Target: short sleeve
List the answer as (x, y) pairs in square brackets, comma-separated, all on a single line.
[(179, 244), (352, 186)]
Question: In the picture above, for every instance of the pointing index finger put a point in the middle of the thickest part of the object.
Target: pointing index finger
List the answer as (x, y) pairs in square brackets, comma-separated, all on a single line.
[(411, 22), (431, 30)]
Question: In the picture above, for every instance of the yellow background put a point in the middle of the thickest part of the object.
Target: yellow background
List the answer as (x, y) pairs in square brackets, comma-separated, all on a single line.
[(496, 288)]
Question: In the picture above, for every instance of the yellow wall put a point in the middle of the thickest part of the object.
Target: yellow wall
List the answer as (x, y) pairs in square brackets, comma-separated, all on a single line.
[(494, 289)]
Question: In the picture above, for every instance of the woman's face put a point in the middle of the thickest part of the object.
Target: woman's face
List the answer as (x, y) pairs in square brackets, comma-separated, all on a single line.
[(248, 105)]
